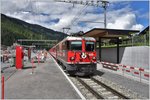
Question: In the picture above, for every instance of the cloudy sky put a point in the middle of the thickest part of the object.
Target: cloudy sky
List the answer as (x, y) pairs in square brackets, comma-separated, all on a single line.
[(58, 15)]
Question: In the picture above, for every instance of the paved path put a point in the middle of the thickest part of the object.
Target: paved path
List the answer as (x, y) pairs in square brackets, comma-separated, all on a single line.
[(47, 82)]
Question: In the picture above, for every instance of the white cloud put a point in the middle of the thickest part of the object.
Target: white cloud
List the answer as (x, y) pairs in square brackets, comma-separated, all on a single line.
[(43, 12), (125, 21), (137, 27), (65, 21)]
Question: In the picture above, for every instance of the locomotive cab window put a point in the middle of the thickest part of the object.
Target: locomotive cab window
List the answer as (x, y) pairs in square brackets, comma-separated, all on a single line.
[(76, 45), (90, 46)]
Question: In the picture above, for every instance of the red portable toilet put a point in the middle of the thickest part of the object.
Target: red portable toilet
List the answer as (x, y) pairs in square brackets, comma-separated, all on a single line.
[(19, 57)]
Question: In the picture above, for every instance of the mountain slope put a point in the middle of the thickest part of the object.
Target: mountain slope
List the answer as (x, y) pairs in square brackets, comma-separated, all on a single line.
[(13, 29)]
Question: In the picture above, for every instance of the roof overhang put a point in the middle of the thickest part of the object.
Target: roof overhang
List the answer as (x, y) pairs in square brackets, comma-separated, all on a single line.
[(112, 33), (144, 31)]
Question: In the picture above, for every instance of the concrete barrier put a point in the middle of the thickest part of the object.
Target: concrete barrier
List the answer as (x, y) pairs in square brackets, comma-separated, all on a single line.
[(133, 56)]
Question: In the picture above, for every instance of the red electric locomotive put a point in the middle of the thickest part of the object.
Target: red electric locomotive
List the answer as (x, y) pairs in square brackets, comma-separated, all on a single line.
[(76, 54)]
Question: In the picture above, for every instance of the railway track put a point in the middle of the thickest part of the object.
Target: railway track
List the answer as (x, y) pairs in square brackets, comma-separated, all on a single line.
[(97, 87), (92, 88), (100, 90)]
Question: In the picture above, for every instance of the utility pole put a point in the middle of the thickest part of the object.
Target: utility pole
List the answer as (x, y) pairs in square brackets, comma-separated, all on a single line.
[(104, 5), (65, 28)]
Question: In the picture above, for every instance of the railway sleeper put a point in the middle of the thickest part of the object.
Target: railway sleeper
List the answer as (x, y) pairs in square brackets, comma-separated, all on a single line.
[(106, 93), (97, 86), (92, 84), (113, 97), (101, 89)]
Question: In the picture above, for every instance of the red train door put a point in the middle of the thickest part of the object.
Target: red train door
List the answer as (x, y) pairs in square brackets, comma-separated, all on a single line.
[(83, 45)]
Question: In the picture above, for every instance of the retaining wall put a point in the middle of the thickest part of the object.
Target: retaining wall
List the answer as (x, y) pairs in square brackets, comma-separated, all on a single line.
[(137, 56)]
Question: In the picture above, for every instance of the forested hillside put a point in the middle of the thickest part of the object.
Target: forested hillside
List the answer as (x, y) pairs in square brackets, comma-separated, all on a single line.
[(13, 29)]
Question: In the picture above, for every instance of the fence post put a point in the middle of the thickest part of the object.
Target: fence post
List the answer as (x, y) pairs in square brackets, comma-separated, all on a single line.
[(140, 76), (123, 71), (141, 70), (38, 58), (32, 65), (2, 91)]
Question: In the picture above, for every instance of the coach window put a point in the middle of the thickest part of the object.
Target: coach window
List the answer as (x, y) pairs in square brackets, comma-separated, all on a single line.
[(76, 45), (90, 46)]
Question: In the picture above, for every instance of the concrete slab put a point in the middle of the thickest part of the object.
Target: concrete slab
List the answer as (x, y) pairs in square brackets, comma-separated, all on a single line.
[(47, 82)]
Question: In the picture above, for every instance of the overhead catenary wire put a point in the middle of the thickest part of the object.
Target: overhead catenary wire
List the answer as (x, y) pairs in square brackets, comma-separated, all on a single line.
[(86, 3), (78, 15), (104, 4)]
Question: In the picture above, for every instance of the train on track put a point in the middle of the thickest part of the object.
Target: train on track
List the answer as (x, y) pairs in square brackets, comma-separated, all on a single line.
[(77, 55)]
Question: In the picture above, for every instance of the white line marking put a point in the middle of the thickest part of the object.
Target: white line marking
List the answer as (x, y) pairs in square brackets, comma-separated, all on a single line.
[(80, 94)]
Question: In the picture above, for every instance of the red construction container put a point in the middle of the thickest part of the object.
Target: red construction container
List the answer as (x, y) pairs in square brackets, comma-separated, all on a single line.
[(19, 57)]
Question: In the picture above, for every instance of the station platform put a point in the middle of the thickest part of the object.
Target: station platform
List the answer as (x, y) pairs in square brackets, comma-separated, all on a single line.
[(132, 83), (46, 82)]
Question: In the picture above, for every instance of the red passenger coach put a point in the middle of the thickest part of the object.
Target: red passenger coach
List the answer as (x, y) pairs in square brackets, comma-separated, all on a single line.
[(76, 54)]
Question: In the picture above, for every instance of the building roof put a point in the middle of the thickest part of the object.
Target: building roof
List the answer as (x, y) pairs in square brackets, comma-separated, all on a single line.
[(102, 32), (144, 31)]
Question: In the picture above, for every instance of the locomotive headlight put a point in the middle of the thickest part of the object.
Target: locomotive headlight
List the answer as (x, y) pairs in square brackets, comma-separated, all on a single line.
[(72, 58), (83, 55), (94, 58)]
